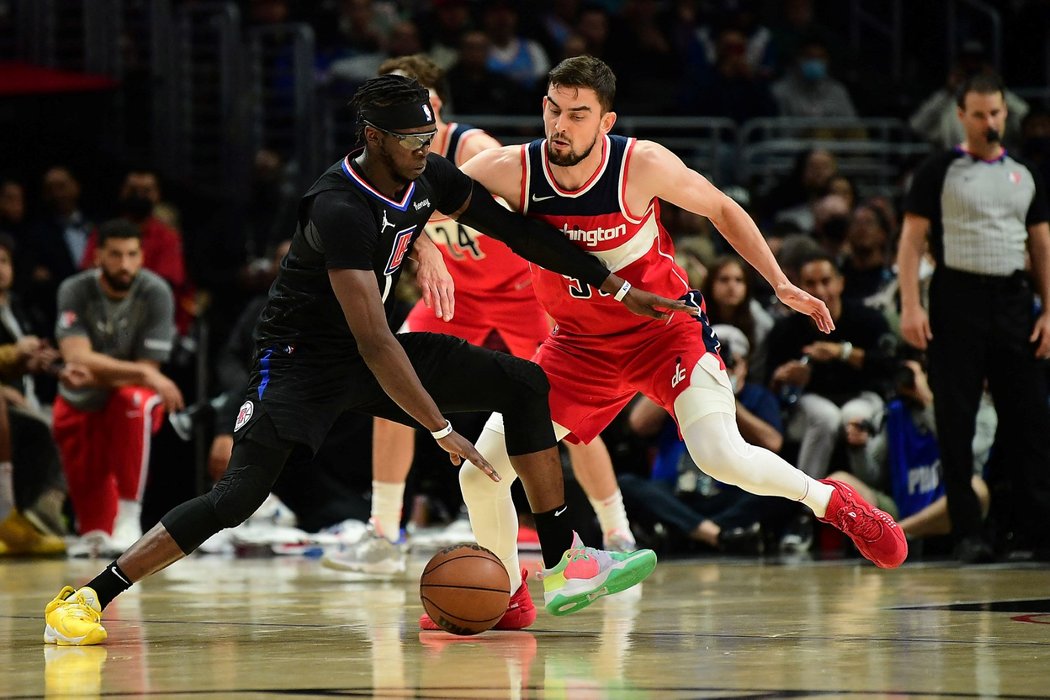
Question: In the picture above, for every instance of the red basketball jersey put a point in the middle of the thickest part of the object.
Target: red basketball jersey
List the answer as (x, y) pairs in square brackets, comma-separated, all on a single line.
[(481, 266), (595, 218)]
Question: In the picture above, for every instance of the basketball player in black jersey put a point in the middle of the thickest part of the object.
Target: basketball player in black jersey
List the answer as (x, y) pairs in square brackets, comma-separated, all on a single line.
[(324, 347)]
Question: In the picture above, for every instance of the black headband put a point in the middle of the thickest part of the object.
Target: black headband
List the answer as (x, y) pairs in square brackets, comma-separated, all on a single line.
[(403, 116)]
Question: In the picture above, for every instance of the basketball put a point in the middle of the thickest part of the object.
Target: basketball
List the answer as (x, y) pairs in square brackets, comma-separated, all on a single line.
[(465, 589)]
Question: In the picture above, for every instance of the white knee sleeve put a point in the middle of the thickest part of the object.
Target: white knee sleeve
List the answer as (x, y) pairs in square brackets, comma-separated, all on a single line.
[(715, 444), (492, 515), (709, 391)]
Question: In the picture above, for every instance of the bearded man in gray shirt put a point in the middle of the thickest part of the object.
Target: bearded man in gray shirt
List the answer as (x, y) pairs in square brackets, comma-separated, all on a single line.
[(117, 321)]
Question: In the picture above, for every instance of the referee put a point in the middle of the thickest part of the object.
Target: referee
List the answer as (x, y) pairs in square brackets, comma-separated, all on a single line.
[(982, 210)]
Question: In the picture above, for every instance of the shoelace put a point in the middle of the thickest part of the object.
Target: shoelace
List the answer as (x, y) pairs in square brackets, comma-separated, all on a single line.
[(80, 609)]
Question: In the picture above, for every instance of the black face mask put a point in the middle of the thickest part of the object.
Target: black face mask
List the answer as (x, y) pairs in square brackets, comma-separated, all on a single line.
[(992, 135), (136, 206)]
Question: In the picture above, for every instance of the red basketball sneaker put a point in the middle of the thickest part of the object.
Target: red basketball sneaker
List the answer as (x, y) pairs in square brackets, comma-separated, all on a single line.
[(520, 614), (874, 532)]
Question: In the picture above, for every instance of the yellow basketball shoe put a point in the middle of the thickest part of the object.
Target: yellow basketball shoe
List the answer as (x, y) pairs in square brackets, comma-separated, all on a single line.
[(74, 618), (22, 538)]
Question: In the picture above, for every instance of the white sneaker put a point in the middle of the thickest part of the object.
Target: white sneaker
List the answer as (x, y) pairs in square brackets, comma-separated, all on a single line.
[(373, 554), (127, 529), (93, 544)]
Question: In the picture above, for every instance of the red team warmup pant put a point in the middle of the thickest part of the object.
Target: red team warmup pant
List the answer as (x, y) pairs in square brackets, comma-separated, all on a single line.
[(105, 453)]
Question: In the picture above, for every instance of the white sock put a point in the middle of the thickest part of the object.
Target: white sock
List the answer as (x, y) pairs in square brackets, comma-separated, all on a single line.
[(611, 513), (7, 489), (387, 499), (129, 512), (818, 497)]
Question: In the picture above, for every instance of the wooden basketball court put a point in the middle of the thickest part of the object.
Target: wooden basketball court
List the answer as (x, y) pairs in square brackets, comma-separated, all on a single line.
[(214, 627)]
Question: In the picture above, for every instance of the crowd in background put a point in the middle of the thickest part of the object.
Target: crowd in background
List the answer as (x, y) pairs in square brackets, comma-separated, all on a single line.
[(729, 59)]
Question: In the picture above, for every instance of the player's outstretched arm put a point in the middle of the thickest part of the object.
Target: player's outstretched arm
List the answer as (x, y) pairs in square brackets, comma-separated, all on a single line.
[(656, 172), (358, 295)]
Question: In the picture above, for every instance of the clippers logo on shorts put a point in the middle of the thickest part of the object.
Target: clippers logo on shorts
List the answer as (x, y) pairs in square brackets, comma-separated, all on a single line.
[(244, 415), (397, 255), (679, 373), (67, 319)]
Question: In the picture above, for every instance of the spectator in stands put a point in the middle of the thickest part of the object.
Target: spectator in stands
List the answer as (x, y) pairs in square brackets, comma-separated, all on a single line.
[(443, 30), (807, 181), (118, 321), (936, 118), (474, 87), (683, 498), (558, 24), (402, 40), (727, 290), (511, 54), (734, 89), (809, 90), (797, 24), (901, 470), (12, 208), (17, 534), (868, 263), (56, 243), (743, 17), (826, 381), (1035, 140)]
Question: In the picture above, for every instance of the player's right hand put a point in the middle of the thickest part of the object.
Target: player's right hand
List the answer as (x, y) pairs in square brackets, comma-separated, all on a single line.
[(648, 304), (459, 448)]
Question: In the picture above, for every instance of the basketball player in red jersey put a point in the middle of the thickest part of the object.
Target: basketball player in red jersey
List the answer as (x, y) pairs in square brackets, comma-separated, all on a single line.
[(604, 191), (493, 294)]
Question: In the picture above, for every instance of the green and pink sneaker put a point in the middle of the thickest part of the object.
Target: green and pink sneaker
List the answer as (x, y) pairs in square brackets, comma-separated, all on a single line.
[(585, 574)]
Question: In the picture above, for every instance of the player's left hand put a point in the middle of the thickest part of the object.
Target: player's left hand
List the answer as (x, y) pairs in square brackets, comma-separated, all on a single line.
[(807, 304), (648, 304)]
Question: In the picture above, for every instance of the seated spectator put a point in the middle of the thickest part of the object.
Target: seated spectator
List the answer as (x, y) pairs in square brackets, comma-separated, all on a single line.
[(56, 242), (727, 291), (733, 89), (41, 489), (118, 321), (12, 208), (512, 55), (828, 380), (937, 119), (18, 536), (444, 29), (868, 263), (474, 87), (901, 471), (685, 500), (1035, 140), (809, 90), (808, 181)]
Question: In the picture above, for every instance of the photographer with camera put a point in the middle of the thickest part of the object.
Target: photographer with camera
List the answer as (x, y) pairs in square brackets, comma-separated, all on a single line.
[(901, 471)]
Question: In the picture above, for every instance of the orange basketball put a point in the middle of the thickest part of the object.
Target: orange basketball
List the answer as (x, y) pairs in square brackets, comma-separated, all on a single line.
[(465, 589)]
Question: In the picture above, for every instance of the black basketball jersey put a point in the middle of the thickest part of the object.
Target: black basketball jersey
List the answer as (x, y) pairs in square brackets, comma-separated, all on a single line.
[(362, 229)]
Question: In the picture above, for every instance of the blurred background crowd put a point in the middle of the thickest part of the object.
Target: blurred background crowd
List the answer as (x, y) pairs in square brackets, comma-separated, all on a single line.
[(202, 123)]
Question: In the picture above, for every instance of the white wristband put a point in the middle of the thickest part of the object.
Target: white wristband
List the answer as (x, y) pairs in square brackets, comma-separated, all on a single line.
[(623, 291), (444, 432)]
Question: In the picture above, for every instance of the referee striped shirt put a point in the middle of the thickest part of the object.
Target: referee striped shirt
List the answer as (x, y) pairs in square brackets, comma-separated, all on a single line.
[(979, 210)]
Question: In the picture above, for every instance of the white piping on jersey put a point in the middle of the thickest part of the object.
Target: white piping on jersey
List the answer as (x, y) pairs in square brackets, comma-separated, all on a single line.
[(572, 194), (526, 164), (635, 248), (621, 184), (386, 288), (459, 145), (354, 177)]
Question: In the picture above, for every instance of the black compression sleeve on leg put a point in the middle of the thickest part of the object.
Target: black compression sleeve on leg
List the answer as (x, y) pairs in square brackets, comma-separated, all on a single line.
[(253, 469), (555, 533)]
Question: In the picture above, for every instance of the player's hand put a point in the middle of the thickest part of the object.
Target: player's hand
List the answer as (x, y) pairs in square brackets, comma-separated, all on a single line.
[(434, 280), (648, 304), (805, 303), (823, 351), (166, 389), (1041, 335), (459, 448), (915, 327)]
